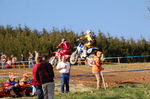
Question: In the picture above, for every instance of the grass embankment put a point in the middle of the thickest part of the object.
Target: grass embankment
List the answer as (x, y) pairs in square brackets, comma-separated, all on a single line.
[(120, 92)]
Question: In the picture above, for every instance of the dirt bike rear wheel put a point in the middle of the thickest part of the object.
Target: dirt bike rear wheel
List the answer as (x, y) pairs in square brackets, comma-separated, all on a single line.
[(73, 58)]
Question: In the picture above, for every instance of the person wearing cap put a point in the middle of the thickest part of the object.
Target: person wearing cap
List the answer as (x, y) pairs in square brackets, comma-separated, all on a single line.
[(97, 68), (64, 69), (90, 37)]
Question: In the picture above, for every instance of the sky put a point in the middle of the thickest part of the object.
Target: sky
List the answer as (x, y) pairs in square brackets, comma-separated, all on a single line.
[(119, 18)]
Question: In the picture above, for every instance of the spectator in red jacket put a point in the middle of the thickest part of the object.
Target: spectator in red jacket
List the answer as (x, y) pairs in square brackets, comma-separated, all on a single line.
[(37, 84)]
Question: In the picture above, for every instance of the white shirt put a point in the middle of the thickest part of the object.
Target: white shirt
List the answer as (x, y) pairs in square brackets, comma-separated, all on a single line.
[(64, 64)]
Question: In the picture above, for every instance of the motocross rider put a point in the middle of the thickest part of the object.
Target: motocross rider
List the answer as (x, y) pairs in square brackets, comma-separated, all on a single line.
[(66, 47), (91, 41)]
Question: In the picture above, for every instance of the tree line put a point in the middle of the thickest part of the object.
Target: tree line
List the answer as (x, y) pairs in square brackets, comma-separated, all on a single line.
[(23, 40)]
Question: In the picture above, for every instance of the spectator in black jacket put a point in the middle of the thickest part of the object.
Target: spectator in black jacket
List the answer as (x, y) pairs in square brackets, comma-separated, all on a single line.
[(45, 76)]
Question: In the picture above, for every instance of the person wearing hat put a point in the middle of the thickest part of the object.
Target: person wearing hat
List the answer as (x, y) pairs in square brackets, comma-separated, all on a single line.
[(24, 80), (97, 68), (26, 85)]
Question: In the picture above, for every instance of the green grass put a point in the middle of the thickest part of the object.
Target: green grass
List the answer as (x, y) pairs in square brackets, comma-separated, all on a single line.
[(121, 92), (130, 91), (138, 91)]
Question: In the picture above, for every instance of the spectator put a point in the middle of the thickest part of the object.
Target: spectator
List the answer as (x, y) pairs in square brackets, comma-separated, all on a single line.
[(97, 68), (14, 60), (36, 55), (13, 86), (64, 68), (31, 63), (46, 78), (22, 59), (25, 83), (3, 55), (8, 63), (3, 61), (37, 84)]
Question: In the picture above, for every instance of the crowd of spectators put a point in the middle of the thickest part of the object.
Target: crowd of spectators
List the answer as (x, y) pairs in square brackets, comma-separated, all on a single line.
[(13, 61), (42, 82), (19, 88)]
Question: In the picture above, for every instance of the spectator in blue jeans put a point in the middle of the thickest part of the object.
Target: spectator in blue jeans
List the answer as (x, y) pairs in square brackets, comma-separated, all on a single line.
[(39, 91), (64, 69), (3, 64), (31, 61), (3, 61)]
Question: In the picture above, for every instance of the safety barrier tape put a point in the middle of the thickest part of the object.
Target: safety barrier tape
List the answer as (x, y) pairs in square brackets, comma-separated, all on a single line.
[(21, 61), (128, 57), (89, 74), (105, 58)]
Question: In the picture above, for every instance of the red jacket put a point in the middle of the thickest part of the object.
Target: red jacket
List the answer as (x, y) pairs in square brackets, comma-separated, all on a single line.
[(65, 45), (34, 75), (45, 73)]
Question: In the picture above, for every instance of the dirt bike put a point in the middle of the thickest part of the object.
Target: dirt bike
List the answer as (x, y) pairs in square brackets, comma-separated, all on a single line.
[(78, 54), (54, 59)]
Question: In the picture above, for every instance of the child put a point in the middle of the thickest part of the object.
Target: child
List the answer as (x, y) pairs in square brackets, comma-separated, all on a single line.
[(26, 85), (12, 86)]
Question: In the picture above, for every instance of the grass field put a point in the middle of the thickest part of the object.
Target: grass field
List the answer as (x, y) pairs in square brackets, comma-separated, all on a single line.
[(138, 88), (137, 91)]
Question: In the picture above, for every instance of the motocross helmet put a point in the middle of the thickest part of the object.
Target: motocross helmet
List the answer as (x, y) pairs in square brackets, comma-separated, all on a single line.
[(88, 32)]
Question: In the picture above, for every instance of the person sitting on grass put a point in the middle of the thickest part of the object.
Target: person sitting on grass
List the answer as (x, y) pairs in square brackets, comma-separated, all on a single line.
[(12, 86), (26, 85)]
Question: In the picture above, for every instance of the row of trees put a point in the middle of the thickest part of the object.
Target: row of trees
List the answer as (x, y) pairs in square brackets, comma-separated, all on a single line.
[(22, 40)]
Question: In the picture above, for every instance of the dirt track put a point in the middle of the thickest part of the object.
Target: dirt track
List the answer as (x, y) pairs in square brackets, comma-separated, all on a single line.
[(116, 77), (83, 73)]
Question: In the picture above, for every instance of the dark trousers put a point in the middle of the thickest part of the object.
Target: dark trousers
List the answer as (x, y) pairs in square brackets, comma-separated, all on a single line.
[(39, 91), (64, 82)]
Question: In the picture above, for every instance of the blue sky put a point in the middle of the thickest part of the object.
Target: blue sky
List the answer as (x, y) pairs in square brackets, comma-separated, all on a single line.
[(127, 18)]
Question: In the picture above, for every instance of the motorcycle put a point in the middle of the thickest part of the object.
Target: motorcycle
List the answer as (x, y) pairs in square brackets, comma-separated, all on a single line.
[(54, 59), (79, 55)]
